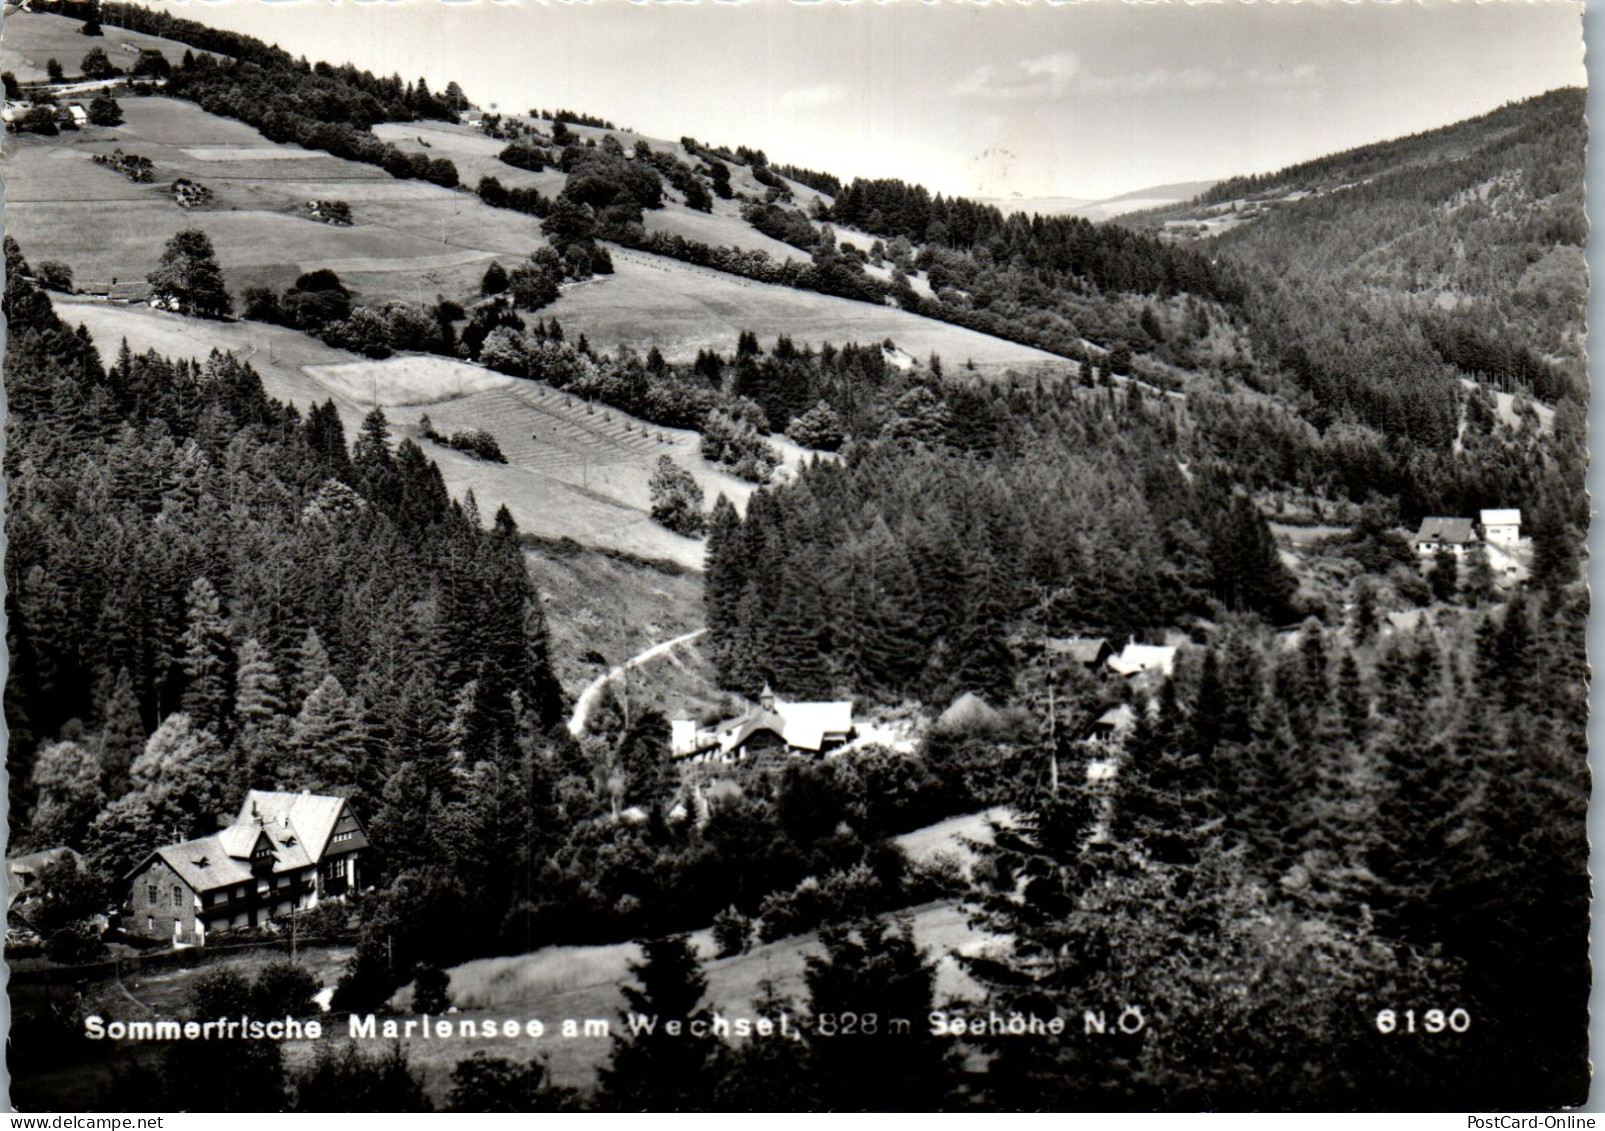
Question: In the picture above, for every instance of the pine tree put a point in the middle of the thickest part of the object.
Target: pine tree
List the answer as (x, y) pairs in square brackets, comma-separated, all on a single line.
[(870, 969), (208, 664), (329, 744), (256, 694), (311, 668), (122, 734), (652, 1068)]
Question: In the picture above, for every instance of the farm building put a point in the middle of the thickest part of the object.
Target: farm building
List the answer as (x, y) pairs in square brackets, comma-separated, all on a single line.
[(1113, 725), (1455, 533), (284, 852), (1089, 653), (77, 115), (772, 725)]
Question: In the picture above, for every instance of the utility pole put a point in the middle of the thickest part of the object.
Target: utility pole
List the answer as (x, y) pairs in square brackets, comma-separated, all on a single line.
[(1053, 738)]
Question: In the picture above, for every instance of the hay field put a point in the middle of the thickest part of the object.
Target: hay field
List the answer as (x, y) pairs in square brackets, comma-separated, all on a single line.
[(679, 308), (718, 231), (409, 380), (583, 982), (472, 152), (32, 39), (62, 206), (573, 474)]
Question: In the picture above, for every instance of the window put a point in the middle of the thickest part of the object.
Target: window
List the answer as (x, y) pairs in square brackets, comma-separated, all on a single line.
[(150, 924), (150, 893), (347, 835), (178, 896)]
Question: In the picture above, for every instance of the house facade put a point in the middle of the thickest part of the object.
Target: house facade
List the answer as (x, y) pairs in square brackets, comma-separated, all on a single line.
[(284, 852), (774, 725), (1501, 527), (1457, 534)]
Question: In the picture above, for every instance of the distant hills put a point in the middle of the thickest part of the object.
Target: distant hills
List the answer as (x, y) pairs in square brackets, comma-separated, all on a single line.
[(1156, 196)]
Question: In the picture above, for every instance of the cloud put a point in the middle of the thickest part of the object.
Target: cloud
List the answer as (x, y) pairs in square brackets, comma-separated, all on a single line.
[(813, 97), (1059, 74), (1044, 77)]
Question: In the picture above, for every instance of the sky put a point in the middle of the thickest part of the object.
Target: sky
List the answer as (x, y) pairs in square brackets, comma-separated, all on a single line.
[(1086, 100)]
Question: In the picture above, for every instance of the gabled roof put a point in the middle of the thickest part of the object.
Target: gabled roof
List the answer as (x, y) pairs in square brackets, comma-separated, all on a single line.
[(204, 864), (1450, 531), (1506, 517), (804, 726), (1117, 719), (807, 725), (296, 825), (307, 818), (1082, 649), (31, 862)]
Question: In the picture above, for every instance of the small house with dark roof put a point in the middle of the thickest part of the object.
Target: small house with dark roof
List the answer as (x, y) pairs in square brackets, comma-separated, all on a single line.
[(773, 725), (284, 852), (1090, 653), (1457, 534)]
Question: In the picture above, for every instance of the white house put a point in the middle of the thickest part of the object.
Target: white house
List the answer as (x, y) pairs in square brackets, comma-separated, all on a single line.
[(1501, 527), (1136, 659), (1455, 533)]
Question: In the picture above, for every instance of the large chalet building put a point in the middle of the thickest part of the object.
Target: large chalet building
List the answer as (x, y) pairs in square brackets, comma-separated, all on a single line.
[(284, 852), (774, 726)]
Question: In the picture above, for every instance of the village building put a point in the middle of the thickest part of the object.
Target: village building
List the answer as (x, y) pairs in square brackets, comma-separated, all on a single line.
[(77, 115), (1090, 653), (1152, 660), (1455, 533), (1501, 527), (283, 853), (773, 725), (1113, 725)]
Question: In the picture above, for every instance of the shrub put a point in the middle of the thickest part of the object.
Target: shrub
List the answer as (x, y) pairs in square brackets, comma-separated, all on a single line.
[(54, 275), (732, 931), (74, 945), (430, 990), (677, 499), (477, 442)]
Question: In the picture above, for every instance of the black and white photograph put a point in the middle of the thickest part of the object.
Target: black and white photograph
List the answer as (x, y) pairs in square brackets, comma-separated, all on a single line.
[(785, 556)]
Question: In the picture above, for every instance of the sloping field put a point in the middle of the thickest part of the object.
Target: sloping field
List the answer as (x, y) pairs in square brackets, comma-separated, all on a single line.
[(679, 308), (410, 240), (718, 231), (32, 39), (583, 982), (412, 380), (573, 473), (472, 152)]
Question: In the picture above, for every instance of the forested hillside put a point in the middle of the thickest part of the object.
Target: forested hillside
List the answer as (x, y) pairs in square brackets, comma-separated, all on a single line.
[(1462, 247)]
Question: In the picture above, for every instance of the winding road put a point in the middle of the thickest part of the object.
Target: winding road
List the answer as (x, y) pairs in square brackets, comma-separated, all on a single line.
[(588, 697)]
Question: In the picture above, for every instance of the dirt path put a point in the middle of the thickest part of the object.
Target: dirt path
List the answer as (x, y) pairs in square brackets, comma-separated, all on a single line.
[(593, 690)]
